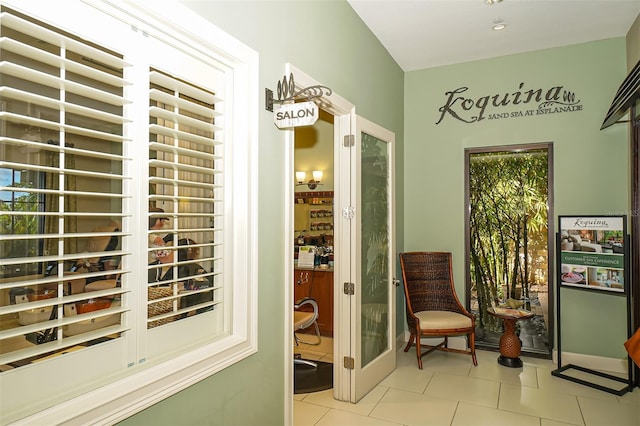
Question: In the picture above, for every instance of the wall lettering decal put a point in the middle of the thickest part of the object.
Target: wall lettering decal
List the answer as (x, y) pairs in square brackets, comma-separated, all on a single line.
[(521, 103)]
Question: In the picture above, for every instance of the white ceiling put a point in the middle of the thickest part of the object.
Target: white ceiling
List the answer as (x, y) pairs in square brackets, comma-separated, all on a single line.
[(429, 33)]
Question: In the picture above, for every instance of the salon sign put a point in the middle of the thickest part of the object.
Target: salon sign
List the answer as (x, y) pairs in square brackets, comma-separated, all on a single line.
[(296, 115), (462, 105)]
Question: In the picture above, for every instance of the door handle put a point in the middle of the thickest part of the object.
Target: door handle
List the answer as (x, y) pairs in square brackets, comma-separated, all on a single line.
[(396, 282)]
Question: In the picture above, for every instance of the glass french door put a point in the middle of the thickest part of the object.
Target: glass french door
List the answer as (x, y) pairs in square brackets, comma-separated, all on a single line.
[(373, 246)]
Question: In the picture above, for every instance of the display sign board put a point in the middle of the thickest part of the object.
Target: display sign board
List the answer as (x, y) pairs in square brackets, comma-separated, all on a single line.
[(306, 257), (296, 114), (592, 252)]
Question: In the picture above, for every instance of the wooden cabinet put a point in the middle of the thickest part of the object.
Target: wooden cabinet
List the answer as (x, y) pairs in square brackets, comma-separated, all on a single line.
[(318, 285)]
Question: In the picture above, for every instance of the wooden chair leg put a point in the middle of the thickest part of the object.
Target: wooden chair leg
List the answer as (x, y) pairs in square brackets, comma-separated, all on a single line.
[(410, 342), (472, 346), (419, 350)]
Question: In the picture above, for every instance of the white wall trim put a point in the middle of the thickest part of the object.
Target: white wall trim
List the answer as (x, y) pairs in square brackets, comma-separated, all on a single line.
[(592, 362), (117, 401), (337, 106), (600, 363)]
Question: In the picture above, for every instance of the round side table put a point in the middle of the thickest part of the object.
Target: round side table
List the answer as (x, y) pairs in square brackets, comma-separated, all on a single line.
[(510, 345)]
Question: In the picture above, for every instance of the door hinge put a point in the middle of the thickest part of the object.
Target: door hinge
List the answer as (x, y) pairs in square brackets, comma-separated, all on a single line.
[(349, 289), (349, 141), (349, 363)]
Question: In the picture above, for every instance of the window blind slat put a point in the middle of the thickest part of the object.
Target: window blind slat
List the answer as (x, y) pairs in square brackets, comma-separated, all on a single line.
[(58, 345), (57, 61), (185, 151), (66, 235), (54, 82), (183, 167), (31, 146), (57, 170), (205, 200), (181, 104), (185, 121), (9, 20), (158, 130), (67, 214), (28, 121), (185, 183), (72, 319), (34, 99), (181, 87), (58, 192)]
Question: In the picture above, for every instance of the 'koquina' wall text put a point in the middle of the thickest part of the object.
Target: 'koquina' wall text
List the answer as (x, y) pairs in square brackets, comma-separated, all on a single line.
[(522, 103)]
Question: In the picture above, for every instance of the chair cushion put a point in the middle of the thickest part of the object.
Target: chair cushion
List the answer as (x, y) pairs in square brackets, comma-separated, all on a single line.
[(442, 320), (302, 319)]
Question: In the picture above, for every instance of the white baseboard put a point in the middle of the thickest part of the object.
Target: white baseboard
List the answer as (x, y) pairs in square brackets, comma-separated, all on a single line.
[(611, 365), (600, 363)]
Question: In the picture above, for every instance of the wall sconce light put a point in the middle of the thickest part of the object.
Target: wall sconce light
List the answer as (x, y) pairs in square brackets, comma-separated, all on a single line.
[(313, 183)]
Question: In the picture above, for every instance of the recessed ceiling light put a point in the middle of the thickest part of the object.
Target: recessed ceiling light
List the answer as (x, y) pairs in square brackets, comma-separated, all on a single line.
[(490, 2), (498, 25)]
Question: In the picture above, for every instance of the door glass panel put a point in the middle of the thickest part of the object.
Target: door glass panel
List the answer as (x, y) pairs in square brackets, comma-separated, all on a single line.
[(375, 247)]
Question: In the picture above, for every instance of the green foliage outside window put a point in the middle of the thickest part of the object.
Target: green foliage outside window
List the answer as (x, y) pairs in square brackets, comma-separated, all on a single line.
[(508, 229), (22, 224)]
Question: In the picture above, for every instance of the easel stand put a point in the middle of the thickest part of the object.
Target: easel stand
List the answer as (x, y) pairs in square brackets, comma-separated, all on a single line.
[(560, 371)]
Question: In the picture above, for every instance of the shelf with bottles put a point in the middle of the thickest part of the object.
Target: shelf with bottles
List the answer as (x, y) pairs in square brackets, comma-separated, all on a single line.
[(314, 213), (316, 198), (321, 227), (321, 220), (321, 213)]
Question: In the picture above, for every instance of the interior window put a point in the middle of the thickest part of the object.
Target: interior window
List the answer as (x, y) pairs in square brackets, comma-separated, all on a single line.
[(96, 141)]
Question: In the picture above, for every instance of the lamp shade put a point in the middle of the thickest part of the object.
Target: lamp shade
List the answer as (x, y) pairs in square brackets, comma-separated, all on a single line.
[(317, 175), (300, 176)]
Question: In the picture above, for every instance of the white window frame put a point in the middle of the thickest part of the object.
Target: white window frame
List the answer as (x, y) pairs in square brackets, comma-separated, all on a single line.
[(146, 385)]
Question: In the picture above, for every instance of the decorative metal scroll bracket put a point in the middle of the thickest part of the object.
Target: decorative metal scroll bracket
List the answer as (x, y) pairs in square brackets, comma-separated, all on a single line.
[(287, 93)]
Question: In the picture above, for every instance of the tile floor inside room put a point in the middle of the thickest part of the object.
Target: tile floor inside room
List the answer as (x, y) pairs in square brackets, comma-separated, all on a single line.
[(451, 391)]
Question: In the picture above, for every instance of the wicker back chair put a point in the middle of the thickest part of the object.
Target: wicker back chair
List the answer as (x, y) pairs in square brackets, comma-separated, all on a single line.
[(433, 308)]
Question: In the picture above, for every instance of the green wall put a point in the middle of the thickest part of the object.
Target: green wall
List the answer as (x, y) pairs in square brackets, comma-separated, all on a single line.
[(590, 165), (328, 41)]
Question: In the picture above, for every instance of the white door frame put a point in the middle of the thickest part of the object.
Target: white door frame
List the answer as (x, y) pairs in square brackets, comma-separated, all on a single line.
[(344, 113)]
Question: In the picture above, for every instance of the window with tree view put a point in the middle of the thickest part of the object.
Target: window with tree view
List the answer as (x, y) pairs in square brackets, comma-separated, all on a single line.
[(508, 243)]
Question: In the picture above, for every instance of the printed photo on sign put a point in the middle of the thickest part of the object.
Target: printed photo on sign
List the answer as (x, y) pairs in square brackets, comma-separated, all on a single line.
[(592, 253)]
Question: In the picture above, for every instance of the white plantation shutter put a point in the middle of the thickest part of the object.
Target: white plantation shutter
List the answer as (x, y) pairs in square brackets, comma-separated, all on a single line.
[(62, 102), (185, 172), (104, 119)]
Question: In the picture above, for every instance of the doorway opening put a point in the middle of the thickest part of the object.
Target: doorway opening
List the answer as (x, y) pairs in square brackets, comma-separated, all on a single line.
[(313, 275), (509, 241)]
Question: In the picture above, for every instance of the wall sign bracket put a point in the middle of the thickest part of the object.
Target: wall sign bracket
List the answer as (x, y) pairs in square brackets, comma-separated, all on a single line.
[(287, 93)]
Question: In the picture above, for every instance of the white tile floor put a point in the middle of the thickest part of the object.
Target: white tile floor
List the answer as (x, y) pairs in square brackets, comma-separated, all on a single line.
[(451, 391)]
